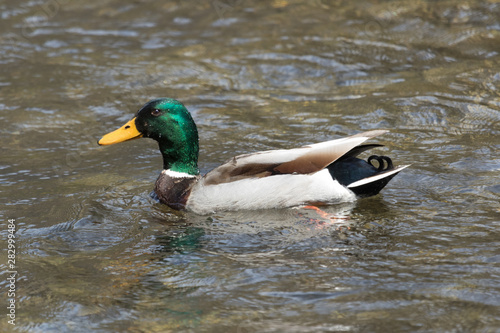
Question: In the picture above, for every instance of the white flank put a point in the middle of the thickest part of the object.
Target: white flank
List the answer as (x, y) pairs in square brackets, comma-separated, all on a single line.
[(177, 174), (278, 191), (377, 177)]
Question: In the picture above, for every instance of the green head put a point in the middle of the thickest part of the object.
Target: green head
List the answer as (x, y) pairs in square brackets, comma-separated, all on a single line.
[(168, 122)]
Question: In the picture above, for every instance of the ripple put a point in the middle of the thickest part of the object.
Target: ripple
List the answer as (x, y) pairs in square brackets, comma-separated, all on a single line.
[(97, 253)]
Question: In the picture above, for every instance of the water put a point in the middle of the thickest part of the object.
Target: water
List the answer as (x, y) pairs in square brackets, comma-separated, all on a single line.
[(94, 252)]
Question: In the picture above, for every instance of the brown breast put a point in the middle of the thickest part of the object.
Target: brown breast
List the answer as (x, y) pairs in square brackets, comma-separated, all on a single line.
[(174, 191)]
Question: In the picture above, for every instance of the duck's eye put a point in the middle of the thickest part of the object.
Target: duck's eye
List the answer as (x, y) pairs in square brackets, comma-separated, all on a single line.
[(156, 112)]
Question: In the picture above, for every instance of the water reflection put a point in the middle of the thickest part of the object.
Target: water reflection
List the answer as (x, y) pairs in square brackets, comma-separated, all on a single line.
[(150, 265), (95, 253)]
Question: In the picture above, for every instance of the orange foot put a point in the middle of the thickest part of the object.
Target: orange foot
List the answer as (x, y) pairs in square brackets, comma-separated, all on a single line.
[(320, 212), (326, 216)]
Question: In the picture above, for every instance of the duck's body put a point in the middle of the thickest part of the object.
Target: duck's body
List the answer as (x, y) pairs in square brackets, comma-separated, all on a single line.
[(278, 191), (322, 173)]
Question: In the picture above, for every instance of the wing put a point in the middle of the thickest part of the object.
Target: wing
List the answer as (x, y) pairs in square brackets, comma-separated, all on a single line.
[(303, 160)]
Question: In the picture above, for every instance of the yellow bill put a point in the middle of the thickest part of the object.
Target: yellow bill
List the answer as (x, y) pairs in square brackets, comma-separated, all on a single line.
[(126, 132)]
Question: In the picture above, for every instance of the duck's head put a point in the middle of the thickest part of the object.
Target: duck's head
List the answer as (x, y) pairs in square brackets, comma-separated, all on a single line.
[(167, 121)]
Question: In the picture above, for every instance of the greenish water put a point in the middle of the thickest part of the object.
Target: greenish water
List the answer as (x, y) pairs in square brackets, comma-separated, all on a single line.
[(95, 253)]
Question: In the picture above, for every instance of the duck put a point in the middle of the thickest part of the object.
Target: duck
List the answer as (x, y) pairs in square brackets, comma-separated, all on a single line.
[(318, 174)]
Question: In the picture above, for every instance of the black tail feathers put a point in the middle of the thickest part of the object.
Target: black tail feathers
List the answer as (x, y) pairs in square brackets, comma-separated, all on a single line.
[(364, 178)]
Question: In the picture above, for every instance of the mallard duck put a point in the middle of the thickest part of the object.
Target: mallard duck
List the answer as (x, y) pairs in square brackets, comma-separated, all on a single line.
[(316, 174)]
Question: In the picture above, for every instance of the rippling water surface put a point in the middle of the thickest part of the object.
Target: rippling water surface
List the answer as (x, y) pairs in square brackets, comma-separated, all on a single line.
[(95, 252)]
